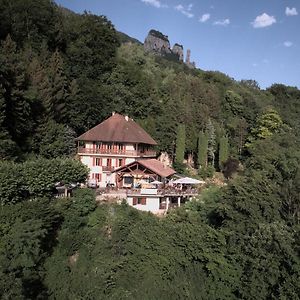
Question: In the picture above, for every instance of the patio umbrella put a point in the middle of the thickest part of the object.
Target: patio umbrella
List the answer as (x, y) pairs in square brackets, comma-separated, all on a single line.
[(188, 180), (156, 182)]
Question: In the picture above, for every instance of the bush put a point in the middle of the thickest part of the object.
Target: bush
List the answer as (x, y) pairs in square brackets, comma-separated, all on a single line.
[(207, 172)]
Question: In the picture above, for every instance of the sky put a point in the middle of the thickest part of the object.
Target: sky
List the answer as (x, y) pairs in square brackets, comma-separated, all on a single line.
[(245, 39)]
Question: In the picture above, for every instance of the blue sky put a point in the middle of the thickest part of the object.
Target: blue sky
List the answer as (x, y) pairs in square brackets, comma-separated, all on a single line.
[(256, 39)]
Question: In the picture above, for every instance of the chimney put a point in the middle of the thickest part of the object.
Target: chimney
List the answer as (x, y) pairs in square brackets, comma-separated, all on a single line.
[(126, 118), (113, 113)]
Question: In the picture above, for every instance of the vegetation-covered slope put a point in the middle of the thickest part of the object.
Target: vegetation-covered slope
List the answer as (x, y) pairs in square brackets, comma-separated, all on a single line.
[(63, 73)]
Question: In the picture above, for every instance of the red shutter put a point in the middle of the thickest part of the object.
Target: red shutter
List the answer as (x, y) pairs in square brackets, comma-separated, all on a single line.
[(134, 201), (143, 202), (93, 161), (100, 162), (93, 175)]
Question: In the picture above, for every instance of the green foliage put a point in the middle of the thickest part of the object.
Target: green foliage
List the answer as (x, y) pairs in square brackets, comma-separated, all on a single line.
[(27, 237), (267, 124), (37, 178), (223, 151), (62, 72), (54, 140), (202, 150), (180, 144), (206, 172)]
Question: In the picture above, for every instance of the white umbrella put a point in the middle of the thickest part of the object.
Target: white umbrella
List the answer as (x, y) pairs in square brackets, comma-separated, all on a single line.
[(156, 182), (188, 180)]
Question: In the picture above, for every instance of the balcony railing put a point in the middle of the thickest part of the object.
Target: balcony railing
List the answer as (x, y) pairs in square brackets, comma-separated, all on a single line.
[(117, 152)]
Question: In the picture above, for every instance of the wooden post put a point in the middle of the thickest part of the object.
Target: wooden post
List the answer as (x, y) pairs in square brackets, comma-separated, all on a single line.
[(179, 201)]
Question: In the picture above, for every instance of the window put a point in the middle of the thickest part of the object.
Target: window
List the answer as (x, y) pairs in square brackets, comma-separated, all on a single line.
[(98, 176), (139, 200), (109, 162), (98, 162), (120, 162), (128, 180)]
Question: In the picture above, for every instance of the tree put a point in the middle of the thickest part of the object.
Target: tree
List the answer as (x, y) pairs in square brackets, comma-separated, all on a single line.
[(210, 131), (54, 140), (202, 150), (180, 144), (14, 84), (267, 124), (223, 151)]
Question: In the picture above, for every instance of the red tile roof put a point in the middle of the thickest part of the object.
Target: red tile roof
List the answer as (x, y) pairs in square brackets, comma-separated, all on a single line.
[(153, 165), (118, 128), (157, 167)]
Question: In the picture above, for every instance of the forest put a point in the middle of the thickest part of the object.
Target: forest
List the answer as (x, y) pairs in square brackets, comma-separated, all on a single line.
[(62, 73)]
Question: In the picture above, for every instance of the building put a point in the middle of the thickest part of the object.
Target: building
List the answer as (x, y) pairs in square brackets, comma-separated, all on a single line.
[(113, 143), (122, 160)]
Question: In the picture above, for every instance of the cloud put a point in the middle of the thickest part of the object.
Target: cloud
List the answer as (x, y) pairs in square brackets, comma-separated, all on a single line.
[(222, 22), (291, 11), (155, 3), (204, 18), (185, 10), (288, 44), (263, 20)]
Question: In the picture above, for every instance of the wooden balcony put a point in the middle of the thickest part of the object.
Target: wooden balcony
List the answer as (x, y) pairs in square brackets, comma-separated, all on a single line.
[(117, 152)]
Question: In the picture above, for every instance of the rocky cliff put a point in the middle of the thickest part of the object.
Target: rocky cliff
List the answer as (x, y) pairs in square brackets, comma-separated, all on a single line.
[(158, 43), (178, 50)]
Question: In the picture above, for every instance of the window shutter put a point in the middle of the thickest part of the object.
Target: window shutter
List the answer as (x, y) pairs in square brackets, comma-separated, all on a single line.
[(93, 161), (143, 202), (134, 202), (100, 161)]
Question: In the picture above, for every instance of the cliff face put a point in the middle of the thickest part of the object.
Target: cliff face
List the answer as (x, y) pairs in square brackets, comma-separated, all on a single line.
[(157, 42), (178, 50)]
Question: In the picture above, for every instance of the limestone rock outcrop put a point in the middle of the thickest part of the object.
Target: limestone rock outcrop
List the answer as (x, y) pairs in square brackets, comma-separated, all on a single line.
[(157, 42), (178, 50)]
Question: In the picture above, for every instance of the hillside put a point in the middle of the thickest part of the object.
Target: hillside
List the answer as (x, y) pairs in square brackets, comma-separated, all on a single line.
[(63, 73)]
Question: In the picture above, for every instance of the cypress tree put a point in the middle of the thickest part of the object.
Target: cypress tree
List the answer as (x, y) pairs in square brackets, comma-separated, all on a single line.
[(223, 151), (211, 135), (180, 144), (202, 150)]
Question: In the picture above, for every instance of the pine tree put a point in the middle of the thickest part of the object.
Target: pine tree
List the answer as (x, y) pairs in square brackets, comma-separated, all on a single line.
[(180, 144), (202, 150), (223, 151), (14, 83), (55, 105)]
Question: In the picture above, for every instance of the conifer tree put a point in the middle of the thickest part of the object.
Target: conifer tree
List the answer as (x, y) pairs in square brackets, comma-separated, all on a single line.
[(180, 144), (202, 150), (14, 83), (211, 135), (223, 151), (55, 104)]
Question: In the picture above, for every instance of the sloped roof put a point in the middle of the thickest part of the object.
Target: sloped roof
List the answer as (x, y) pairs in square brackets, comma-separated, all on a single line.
[(118, 128), (153, 165)]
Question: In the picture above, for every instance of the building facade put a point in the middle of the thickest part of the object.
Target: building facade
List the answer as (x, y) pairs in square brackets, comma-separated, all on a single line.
[(112, 144)]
